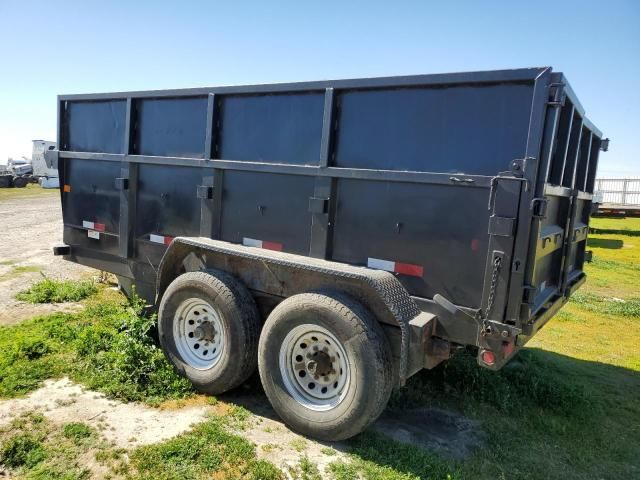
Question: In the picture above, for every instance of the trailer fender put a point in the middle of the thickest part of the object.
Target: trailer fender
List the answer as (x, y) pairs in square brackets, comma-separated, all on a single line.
[(283, 274)]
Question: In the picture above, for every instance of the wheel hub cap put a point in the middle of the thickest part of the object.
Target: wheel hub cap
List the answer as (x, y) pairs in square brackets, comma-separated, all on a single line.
[(198, 333), (205, 332), (314, 367)]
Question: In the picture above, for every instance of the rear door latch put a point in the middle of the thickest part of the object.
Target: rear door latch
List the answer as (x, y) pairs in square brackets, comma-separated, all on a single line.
[(539, 207)]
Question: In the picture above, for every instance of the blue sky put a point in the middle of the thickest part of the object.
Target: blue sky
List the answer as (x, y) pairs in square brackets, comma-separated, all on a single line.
[(53, 47)]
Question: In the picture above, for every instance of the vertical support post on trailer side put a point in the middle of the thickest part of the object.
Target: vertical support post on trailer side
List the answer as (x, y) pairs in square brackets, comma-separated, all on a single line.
[(585, 180), (128, 186), (208, 198), (322, 204), (566, 146)]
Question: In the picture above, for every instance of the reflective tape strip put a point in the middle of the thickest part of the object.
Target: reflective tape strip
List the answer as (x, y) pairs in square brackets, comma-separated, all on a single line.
[(161, 239), (252, 242), (409, 269), (396, 267), (93, 226), (381, 264)]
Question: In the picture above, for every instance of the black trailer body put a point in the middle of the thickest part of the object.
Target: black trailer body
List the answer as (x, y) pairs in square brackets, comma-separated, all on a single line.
[(454, 207)]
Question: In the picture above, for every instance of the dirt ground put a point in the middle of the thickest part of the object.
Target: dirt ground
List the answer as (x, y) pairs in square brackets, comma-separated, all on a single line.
[(30, 226)]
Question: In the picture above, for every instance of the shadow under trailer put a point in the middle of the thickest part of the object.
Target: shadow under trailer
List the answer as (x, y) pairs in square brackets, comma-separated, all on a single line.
[(340, 235)]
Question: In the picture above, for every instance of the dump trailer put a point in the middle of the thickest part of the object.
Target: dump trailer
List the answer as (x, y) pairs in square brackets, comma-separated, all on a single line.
[(339, 236)]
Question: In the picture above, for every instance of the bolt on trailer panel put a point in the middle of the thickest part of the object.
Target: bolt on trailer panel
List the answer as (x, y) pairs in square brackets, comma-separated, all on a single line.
[(473, 186)]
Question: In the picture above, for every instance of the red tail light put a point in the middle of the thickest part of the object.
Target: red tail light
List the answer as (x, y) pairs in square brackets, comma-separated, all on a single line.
[(488, 357)]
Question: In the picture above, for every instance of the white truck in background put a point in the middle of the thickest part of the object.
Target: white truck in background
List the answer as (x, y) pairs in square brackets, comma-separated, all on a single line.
[(44, 168)]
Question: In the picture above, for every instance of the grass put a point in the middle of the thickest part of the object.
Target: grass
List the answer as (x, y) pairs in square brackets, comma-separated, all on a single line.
[(28, 191), (34, 448), (307, 470), (566, 407), (18, 270), (48, 290), (206, 450), (107, 347), (628, 226)]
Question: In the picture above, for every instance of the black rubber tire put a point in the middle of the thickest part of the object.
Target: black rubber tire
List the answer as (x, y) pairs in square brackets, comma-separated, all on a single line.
[(240, 320), (368, 353), (20, 182)]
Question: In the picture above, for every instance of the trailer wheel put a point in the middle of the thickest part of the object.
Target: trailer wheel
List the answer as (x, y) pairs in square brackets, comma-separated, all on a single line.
[(325, 365), (208, 326)]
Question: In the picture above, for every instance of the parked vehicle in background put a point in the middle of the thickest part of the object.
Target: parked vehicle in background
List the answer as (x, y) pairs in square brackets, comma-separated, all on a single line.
[(339, 236), (618, 197), (41, 169), (17, 173), (44, 169)]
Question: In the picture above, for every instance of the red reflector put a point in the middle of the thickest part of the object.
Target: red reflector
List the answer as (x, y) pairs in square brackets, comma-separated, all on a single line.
[(488, 357), (98, 227), (508, 348), (272, 246), (409, 269), (475, 244), (66, 188), (168, 240)]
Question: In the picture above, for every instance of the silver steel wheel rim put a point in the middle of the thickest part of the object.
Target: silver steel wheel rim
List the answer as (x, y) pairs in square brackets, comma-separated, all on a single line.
[(198, 333), (314, 367)]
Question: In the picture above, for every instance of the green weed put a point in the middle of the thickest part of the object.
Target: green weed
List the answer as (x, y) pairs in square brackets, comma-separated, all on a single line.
[(58, 291), (107, 346), (35, 449), (77, 432), (308, 469), (342, 470), (206, 450), (22, 449)]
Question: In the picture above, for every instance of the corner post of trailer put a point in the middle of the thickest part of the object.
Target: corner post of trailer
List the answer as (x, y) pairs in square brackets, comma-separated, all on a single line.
[(519, 276)]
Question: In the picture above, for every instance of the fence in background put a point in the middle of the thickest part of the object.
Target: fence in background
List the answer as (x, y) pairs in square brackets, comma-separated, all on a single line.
[(619, 191)]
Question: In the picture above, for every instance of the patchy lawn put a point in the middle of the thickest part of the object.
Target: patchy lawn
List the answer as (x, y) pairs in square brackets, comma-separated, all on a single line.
[(29, 191)]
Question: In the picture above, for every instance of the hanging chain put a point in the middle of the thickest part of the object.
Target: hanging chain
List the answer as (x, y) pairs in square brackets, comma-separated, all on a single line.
[(486, 328)]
